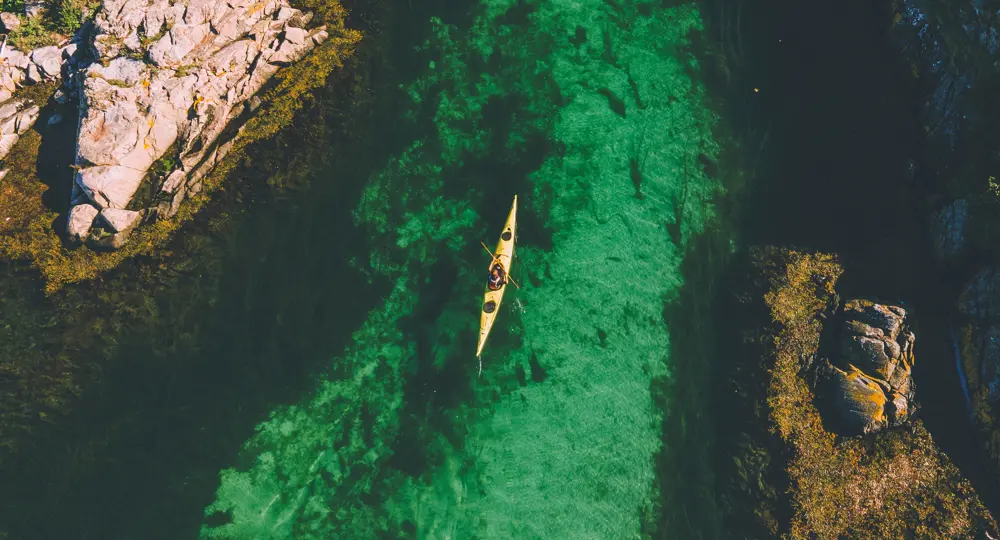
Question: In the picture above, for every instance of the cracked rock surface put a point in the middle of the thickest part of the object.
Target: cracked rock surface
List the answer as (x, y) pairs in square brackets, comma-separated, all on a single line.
[(169, 77), (868, 381)]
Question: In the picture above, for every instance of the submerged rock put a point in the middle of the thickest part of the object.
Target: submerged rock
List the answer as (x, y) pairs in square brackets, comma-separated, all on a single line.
[(868, 381), (977, 347), (979, 305), (948, 226), (206, 59)]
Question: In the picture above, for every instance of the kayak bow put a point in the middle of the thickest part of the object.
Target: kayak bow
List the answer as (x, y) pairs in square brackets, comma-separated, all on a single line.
[(504, 255)]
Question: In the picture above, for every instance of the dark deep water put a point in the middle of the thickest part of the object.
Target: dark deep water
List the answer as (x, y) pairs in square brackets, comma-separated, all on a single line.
[(841, 124)]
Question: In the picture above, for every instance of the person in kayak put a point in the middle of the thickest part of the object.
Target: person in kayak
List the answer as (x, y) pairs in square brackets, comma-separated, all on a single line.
[(497, 276)]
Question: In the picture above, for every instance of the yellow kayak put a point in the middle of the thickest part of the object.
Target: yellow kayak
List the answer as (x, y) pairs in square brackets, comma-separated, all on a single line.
[(499, 270)]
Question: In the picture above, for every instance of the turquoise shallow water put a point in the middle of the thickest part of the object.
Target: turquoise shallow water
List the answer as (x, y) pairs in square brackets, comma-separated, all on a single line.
[(560, 436)]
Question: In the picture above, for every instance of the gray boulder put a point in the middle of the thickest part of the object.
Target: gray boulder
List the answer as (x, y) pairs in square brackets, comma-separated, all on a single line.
[(120, 220), (868, 382), (49, 61)]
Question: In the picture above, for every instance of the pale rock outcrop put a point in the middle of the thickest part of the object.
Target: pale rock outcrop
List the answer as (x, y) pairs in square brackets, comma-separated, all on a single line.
[(10, 21), (120, 220), (206, 59), (16, 117), (18, 68), (81, 218), (49, 61)]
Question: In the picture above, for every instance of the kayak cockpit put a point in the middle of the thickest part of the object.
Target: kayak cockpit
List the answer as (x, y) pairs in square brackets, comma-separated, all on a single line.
[(497, 277)]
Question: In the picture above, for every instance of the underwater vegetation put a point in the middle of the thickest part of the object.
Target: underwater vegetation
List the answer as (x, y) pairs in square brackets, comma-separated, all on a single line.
[(561, 435)]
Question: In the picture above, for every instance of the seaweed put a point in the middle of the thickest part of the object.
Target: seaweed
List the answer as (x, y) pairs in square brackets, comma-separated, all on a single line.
[(614, 102)]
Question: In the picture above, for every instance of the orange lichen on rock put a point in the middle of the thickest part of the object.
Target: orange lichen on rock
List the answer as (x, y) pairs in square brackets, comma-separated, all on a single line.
[(894, 485)]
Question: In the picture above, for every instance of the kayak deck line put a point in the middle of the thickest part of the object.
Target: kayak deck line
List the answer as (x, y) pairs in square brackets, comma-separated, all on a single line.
[(499, 269)]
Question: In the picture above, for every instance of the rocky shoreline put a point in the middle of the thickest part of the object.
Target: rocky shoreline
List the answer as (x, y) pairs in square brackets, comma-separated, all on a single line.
[(167, 76), (817, 459), (153, 80), (165, 97)]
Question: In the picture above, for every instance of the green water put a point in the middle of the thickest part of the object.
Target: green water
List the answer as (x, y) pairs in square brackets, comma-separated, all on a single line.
[(559, 437), (307, 370)]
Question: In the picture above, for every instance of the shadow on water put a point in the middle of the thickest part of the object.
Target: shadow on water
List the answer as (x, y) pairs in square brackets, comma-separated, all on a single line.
[(685, 468), (55, 155), (140, 458)]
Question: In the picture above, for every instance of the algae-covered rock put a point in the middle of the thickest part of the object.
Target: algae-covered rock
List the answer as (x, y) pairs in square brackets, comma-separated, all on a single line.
[(859, 400), (891, 484)]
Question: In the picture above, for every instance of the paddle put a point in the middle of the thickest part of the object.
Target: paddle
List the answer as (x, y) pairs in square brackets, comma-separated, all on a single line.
[(494, 258)]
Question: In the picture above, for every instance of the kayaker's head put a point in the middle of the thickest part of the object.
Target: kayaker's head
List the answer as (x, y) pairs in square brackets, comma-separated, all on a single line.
[(496, 271)]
